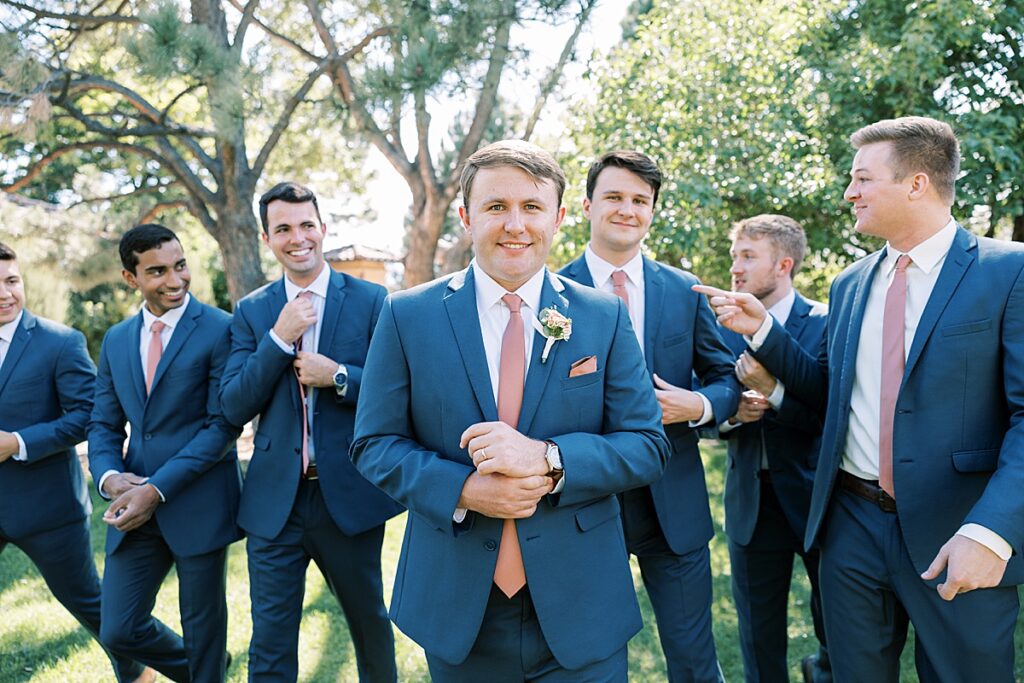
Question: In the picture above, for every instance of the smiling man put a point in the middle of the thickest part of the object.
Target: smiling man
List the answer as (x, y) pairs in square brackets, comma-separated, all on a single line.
[(917, 507), (508, 448), (175, 490), (667, 524), (297, 352)]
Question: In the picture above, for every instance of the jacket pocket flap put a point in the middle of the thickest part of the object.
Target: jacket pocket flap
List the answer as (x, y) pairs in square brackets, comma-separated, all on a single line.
[(966, 328), (597, 513), (976, 461), (261, 441)]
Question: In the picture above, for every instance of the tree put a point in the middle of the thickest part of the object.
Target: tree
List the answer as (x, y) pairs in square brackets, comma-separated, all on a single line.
[(167, 106)]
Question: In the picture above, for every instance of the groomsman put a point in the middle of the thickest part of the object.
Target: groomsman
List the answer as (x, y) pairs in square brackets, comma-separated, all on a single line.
[(773, 445), (916, 504), (509, 406), (45, 398), (297, 351), (667, 524), (175, 490)]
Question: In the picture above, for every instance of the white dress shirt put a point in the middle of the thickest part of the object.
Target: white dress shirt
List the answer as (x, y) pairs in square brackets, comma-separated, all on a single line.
[(170, 319), (6, 339), (601, 273), (310, 338)]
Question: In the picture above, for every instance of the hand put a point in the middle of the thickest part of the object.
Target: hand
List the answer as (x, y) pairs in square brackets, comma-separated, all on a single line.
[(971, 565), (496, 448), (753, 375), (738, 311), (315, 370), (133, 508), (677, 404), (501, 497), (116, 484), (9, 445), (294, 319), (751, 408)]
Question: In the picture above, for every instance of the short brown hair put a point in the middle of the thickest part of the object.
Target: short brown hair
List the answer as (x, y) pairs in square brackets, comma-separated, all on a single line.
[(637, 163), (6, 253), (785, 235), (537, 163), (290, 192), (919, 145)]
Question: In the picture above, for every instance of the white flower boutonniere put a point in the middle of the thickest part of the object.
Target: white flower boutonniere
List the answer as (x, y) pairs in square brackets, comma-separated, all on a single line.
[(554, 327)]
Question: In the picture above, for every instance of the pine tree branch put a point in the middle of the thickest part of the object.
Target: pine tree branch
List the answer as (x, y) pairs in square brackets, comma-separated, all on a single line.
[(279, 37), (75, 20)]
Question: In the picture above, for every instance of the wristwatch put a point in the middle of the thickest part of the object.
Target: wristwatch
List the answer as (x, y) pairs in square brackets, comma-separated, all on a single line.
[(554, 458), (341, 380)]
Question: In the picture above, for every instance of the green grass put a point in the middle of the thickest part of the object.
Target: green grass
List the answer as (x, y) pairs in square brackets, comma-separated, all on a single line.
[(40, 642)]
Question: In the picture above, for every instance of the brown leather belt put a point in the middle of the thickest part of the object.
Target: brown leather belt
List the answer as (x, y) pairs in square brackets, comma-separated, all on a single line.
[(311, 473), (868, 490)]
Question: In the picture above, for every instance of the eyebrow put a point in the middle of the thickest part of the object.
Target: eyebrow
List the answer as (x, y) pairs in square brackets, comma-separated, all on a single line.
[(645, 195)]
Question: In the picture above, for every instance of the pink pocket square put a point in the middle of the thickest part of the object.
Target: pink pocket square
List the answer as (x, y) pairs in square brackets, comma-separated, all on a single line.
[(584, 366)]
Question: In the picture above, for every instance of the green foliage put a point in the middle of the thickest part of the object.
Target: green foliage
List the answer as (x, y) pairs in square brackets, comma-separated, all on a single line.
[(95, 310)]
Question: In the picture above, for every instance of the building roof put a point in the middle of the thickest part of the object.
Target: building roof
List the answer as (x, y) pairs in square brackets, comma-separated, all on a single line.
[(360, 252)]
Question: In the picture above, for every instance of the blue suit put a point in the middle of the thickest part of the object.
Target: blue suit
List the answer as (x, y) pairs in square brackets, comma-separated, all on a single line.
[(958, 457), (45, 396), (668, 524), (430, 377), (766, 510), (336, 520), (181, 442)]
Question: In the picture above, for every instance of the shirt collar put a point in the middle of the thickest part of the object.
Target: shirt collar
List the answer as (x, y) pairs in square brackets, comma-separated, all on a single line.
[(489, 292), (318, 286), (170, 318), (783, 307), (926, 255), (601, 271), (7, 331)]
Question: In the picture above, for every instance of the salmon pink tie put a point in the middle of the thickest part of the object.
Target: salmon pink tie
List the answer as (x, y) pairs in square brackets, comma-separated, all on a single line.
[(619, 286), (307, 295), (893, 361), (509, 573), (155, 352)]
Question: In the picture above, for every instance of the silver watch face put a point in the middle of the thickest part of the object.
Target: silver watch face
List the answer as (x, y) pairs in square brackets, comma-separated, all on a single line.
[(340, 378), (554, 457)]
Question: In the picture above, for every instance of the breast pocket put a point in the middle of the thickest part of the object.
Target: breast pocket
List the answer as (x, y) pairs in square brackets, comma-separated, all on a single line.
[(580, 381), (961, 329)]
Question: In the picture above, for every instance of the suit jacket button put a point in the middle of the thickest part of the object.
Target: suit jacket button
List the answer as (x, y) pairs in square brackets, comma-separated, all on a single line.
[(490, 545), (148, 437)]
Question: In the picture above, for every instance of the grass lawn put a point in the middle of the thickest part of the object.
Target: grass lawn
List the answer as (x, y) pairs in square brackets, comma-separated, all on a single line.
[(41, 642)]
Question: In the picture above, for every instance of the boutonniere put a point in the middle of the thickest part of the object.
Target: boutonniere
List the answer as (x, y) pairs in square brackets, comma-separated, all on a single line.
[(553, 326)]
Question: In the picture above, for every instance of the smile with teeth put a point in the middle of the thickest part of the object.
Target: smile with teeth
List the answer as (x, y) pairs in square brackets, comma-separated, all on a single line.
[(515, 245), (299, 253)]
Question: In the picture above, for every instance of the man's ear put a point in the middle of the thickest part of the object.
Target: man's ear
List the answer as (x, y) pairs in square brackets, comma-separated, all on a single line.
[(919, 185), (464, 217), (785, 266), (129, 277)]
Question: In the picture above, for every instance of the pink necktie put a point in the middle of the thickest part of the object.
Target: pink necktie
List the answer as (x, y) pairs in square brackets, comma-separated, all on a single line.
[(509, 573), (155, 352), (893, 361), (307, 295), (619, 286)]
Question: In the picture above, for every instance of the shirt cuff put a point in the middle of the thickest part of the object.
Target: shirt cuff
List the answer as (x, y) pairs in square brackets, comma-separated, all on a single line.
[(103, 479), (727, 426), (762, 333), (775, 398), (559, 485), (287, 348), (158, 492), (460, 515), (22, 454), (707, 416), (987, 538)]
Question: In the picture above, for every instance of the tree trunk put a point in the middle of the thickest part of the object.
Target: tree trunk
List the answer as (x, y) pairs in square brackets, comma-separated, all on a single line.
[(238, 239), (424, 233), (1018, 228)]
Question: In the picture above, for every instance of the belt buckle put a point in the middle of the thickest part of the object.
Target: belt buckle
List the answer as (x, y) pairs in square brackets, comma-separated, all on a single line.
[(311, 474), (885, 502)]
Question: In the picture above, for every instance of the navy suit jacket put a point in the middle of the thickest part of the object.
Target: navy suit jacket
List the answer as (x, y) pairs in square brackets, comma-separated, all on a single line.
[(45, 396), (791, 438), (681, 338), (179, 439), (259, 380), (428, 370), (958, 433)]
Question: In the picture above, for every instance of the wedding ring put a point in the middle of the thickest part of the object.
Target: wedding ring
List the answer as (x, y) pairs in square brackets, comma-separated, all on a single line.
[(482, 453)]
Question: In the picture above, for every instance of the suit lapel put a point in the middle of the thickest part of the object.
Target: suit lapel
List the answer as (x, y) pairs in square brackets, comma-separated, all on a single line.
[(275, 300), (654, 296), (860, 301), (797, 316), (958, 260), (135, 369), (179, 336), (460, 304), (332, 312), (19, 343), (537, 375)]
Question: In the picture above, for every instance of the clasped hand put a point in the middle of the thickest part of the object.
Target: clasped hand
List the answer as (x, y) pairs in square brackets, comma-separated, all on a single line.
[(510, 477), (134, 502)]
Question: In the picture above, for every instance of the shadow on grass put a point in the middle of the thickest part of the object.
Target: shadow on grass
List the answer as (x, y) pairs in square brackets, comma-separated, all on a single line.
[(20, 662), (336, 649)]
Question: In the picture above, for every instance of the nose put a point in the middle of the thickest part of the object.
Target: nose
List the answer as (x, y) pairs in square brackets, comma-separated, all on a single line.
[(851, 193), (514, 223), (735, 269)]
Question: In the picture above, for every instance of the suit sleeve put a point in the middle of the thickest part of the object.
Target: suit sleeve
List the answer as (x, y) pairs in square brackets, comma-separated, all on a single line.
[(384, 449), (713, 363), (253, 368), (355, 372), (211, 443), (75, 377), (805, 376), (107, 426), (632, 449)]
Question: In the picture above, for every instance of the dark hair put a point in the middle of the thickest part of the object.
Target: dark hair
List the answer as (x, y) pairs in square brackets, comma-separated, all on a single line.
[(919, 145), (530, 158), (140, 239), (290, 192), (786, 236), (637, 163), (6, 253)]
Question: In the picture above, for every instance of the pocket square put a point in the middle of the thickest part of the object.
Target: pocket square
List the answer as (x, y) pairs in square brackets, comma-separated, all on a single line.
[(584, 366)]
